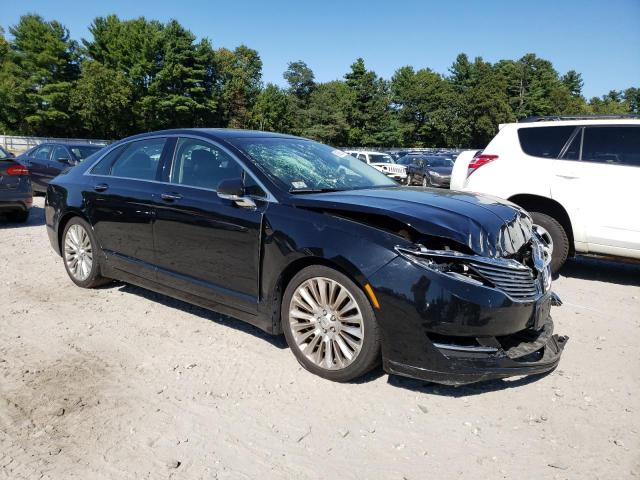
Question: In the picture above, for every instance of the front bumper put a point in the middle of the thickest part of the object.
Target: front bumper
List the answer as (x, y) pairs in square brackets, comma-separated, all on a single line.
[(462, 366), (442, 330)]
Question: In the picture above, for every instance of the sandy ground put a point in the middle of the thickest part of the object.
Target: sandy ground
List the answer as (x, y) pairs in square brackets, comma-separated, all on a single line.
[(122, 383)]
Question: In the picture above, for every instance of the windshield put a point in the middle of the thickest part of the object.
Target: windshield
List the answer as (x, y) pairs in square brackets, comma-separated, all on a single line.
[(380, 158), (82, 152), (299, 165)]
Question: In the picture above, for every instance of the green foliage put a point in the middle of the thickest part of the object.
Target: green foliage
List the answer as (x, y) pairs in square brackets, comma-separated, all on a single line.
[(139, 75)]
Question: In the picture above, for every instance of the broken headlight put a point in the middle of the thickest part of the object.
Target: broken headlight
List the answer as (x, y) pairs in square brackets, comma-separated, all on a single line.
[(446, 262)]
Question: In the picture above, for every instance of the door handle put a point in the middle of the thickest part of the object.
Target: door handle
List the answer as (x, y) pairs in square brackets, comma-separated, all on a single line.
[(170, 197), (100, 187)]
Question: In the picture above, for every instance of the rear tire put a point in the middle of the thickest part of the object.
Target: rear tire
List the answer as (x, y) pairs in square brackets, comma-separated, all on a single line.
[(558, 236), (81, 254), (18, 217), (334, 334)]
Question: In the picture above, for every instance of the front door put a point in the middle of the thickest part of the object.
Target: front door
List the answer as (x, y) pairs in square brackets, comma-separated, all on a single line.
[(205, 245)]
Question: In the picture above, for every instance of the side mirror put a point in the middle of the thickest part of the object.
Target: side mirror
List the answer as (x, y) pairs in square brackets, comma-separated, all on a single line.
[(233, 189)]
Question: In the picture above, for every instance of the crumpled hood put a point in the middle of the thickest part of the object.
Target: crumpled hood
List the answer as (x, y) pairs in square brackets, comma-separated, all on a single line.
[(489, 226)]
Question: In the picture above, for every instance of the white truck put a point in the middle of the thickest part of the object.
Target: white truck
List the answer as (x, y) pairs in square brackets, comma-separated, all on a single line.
[(383, 162)]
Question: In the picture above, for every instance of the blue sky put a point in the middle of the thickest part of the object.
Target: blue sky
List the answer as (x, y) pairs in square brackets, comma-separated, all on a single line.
[(600, 39)]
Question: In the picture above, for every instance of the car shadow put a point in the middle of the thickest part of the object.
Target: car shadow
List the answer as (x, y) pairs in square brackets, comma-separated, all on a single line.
[(463, 390), (275, 340), (601, 270), (36, 218)]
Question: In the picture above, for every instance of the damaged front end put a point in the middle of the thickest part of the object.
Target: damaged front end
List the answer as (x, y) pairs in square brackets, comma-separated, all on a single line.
[(482, 317)]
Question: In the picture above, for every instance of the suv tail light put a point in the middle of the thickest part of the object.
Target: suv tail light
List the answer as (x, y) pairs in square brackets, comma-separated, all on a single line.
[(479, 161), (17, 170)]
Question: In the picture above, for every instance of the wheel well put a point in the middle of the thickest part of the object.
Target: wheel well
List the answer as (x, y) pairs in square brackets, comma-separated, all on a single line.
[(536, 203), (288, 273)]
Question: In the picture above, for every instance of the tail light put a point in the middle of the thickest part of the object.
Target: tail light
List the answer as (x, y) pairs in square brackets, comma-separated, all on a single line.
[(17, 170), (479, 161)]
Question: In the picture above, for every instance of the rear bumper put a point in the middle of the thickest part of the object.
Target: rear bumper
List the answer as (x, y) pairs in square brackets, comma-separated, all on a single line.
[(14, 200)]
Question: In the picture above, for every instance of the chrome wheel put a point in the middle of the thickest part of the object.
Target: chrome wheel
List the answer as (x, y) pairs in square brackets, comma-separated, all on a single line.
[(326, 323), (78, 253), (545, 236)]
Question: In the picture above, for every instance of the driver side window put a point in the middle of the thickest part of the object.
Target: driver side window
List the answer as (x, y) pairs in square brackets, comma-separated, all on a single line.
[(60, 153), (200, 164)]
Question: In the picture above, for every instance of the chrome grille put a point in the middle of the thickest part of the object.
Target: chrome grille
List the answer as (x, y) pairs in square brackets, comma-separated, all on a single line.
[(518, 282)]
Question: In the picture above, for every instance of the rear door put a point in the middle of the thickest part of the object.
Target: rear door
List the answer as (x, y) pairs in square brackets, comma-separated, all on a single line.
[(206, 245), (121, 205), (610, 174)]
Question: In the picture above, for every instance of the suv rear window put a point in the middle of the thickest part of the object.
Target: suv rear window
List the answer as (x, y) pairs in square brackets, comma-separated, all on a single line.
[(544, 142), (613, 145)]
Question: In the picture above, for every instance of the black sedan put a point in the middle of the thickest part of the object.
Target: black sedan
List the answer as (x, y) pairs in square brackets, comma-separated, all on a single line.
[(299, 238), (47, 160), (428, 170), (15, 188)]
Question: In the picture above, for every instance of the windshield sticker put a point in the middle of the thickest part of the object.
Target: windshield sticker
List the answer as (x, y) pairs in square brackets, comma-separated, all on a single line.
[(340, 153), (299, 184)]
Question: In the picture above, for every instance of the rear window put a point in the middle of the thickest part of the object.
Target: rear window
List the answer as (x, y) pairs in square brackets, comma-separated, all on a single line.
[(613, 145), (546, 142)]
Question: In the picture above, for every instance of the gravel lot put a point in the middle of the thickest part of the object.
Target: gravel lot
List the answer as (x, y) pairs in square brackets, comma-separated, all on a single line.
[(123, 383)]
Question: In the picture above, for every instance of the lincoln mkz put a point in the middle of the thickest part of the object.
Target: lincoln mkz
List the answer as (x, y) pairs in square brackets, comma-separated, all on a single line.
[(296, 237)]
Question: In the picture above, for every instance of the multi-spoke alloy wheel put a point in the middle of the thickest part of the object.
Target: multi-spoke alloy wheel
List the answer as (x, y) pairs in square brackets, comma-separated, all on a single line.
[(78, 253), (326, 323), (81, 254), (330, 324)]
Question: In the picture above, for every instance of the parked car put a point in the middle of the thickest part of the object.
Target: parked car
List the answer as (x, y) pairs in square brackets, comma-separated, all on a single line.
[(15, 188), (448, 287), (47, 160), (383, 162), (428, 170), (578, 177)]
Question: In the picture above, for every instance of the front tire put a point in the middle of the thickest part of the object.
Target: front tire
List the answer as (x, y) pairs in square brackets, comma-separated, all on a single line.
[(409, 179), (558, 236), (81, 254), (330, 325), (426, 182)]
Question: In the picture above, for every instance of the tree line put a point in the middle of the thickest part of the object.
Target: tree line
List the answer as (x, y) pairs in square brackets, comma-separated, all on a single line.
[(139, 75)]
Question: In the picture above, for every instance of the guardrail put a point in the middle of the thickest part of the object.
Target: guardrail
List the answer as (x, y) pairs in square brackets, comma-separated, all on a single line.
[(18, 144)]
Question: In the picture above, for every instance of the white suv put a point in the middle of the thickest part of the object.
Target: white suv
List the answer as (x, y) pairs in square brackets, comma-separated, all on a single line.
[(579, 178), (383, 162)]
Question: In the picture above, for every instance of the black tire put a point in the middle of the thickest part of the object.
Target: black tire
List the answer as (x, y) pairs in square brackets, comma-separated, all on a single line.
[(369, 355), (558, 236), (426, 181), (18, 217), (409, 179), (95, 279)]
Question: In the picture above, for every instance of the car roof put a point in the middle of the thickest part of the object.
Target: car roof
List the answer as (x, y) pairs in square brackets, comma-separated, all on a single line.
[(559, 123), (216, 133)]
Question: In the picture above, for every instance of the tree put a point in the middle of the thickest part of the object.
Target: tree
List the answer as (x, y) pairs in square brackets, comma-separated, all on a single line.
[(272, 111), (369, 114), (327, 114), (300, 79), (46, 68), (572, 80), (241, 73), (102, 100)]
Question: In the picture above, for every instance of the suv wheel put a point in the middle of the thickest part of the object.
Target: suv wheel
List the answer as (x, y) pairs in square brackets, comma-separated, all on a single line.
[(330, 325), (552, 231)]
